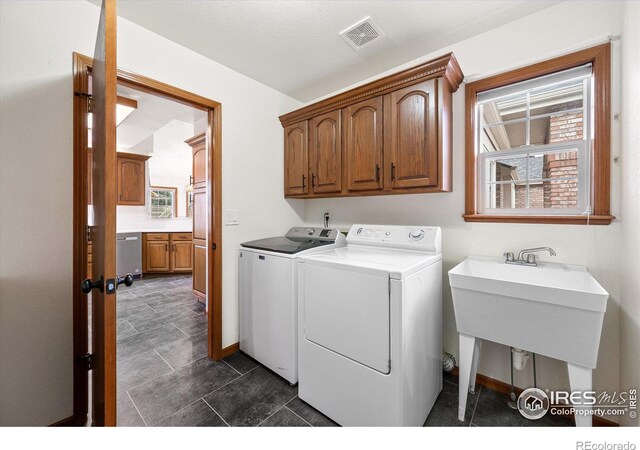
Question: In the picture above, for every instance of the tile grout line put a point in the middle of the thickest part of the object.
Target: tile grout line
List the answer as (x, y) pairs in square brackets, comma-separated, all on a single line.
[(167, 362), (232, 367), (229, 382), (475, 406), (134, 328), (296, 414), (176, 412), (216, 412), (283, 406), (136, 407)]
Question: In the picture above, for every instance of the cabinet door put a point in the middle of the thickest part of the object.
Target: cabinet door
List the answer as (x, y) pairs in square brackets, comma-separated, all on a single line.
[(131, 181), (296, 166), (199, 270), (157, 256), (181, 256), (199, 166), (411, 136), (326, 153), (363, 146)]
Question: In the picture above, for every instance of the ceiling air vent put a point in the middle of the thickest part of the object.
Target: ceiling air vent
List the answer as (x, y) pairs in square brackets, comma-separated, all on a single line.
[(362, 33)]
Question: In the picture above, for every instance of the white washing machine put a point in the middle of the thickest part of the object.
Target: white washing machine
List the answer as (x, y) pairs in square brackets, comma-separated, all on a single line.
[(268, 295), (370, 326)]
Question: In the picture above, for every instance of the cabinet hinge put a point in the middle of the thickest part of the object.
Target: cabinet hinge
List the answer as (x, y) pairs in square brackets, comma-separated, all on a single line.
[(87, 358), (89, 98)]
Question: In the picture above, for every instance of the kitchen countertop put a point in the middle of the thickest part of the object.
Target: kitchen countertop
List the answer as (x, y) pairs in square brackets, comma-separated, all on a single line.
[(154, 230)]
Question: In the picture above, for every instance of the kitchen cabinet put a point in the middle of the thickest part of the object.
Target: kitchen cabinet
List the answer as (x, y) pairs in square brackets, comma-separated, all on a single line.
[(199, 215), (390, 136), (325, 151), (166, 252), (296, 163), (131, 179)]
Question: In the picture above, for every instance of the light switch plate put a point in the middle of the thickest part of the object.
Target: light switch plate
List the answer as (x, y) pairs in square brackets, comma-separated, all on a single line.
[(232, 217)]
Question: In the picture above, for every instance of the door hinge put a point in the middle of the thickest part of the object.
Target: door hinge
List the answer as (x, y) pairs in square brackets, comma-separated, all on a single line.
[(88, 233), (214, 246), (89, 98), (87, 358)]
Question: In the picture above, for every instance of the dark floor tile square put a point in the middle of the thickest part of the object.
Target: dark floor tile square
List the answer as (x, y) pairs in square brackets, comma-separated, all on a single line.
[(167, 394), (134, 310), (241, 362), (492, 411), (148, 340), (449, 377), (167, 303), (251, 398), (197, 306), (154, 321), (284, 417), (139, 369), (198, 414), (310, 414), (124, 329), (127, 414), (185, 351), (191, 324), (445, 411)]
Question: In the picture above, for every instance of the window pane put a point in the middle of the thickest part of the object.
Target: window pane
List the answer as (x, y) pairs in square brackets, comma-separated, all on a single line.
[(557, 98), (504, 110), (503, 137), (560, 194), (506, 195)]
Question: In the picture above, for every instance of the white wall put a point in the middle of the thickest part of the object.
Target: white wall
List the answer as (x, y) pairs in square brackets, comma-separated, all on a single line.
[(531, 39), (36, 161), (630, 205)]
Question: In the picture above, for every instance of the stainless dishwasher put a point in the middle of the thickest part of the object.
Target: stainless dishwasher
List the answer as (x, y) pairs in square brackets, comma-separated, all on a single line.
[(129, 254)]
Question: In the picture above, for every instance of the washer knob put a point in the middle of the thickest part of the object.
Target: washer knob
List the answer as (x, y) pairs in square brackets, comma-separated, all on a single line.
[(416, 235)]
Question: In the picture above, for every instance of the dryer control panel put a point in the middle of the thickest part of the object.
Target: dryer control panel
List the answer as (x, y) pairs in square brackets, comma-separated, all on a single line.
[(418, 238)]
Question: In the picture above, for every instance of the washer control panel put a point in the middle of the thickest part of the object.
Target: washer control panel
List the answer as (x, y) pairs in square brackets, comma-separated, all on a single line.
[(325, 234), (399, 236)]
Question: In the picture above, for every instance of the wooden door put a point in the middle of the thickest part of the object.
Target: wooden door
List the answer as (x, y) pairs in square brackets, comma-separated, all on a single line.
[(157, 256), (181, 252), (103, 300), (326, 153), (296, 163), (363, 145), (131, 179), (411, 136), (200, 212)]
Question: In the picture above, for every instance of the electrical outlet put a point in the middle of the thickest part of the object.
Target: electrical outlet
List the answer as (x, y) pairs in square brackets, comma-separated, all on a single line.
[(231, 217)]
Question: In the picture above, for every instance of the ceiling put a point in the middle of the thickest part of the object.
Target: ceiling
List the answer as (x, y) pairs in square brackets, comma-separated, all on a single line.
[(294, 46), (152, 114)]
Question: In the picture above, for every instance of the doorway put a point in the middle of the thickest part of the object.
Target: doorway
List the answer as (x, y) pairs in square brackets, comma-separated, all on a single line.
[(176, 244)]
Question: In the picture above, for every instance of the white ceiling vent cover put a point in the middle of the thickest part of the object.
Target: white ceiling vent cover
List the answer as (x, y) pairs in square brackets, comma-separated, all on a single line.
[(362, 33)]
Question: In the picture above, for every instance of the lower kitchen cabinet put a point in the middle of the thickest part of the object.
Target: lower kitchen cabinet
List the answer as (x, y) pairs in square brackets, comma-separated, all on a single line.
[(167, 252)]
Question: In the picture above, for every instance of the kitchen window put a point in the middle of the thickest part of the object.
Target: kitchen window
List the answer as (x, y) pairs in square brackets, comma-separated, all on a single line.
[(538, 142), (162, 202)]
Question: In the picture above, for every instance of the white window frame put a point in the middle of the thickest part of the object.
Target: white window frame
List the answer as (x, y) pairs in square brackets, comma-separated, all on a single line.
[(582, 146), (173, 192)]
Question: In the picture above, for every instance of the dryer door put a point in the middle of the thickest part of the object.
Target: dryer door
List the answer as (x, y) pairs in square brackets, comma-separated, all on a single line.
[(346, 310)]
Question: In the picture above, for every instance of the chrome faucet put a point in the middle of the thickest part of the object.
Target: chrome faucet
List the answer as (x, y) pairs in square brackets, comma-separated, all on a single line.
[(531, 257)]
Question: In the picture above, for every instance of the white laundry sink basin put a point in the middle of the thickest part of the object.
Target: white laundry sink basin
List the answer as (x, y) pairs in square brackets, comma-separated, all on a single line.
[(552, 309)]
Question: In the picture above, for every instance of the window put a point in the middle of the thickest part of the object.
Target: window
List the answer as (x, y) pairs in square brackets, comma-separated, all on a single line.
[(162, 202), (538, 142)]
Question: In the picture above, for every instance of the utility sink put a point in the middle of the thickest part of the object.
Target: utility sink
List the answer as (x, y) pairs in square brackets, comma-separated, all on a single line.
[(554, 310)]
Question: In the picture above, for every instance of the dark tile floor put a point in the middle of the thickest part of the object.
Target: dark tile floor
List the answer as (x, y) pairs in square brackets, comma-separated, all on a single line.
[(166, 379)]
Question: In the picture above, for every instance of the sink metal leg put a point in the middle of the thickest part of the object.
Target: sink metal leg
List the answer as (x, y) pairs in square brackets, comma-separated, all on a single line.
[(469, 355), (580, 379)]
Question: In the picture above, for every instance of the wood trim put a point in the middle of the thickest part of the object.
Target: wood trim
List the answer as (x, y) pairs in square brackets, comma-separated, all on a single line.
[(137, 156), (505, 388), (197, 139), (230, 350), (81, 70), (67, 422), (562, 220), (600, 58), (445, 66), (124, 101), (175, 196)]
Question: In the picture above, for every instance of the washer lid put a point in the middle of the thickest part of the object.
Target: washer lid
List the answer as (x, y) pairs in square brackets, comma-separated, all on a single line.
[(290, 246), (398, 264)]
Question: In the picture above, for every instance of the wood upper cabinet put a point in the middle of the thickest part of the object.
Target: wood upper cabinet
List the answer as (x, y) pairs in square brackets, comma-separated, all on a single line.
[(362, 140), (131, 179), (411, 129), (389, 136), (325, 151), (296, 162)]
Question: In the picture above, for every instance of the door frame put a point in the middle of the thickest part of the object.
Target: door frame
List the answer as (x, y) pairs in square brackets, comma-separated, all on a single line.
[(81, 69)]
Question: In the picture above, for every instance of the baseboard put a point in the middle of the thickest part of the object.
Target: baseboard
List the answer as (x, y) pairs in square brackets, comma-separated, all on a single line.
[(230, 350), (505, 388), (70, 421)]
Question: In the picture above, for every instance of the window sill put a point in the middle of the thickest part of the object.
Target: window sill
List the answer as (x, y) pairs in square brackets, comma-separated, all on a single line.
[(566, 220)]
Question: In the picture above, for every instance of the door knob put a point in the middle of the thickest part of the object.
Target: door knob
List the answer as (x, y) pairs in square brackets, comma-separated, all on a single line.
[(87, 285), (127, 280)]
